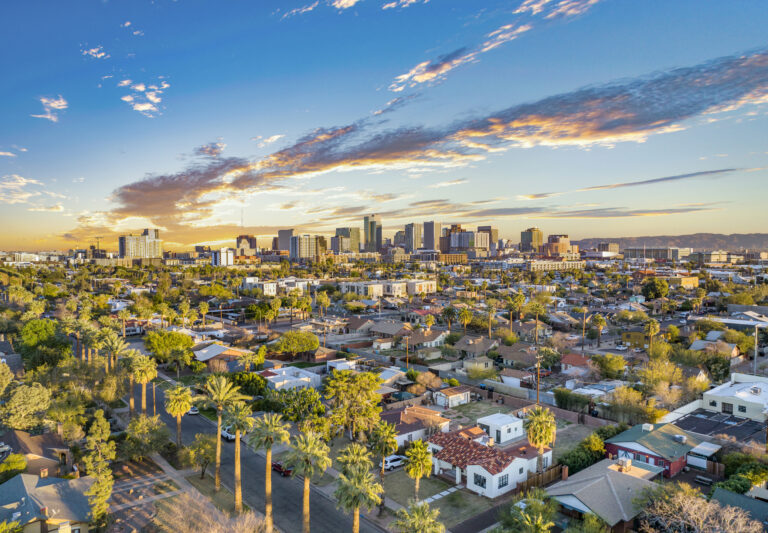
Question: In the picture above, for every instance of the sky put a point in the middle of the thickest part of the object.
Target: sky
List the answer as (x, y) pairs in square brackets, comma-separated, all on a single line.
[(595, 118)]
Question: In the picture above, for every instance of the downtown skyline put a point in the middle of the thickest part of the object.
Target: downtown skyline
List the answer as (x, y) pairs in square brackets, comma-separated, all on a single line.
[(191, 117)]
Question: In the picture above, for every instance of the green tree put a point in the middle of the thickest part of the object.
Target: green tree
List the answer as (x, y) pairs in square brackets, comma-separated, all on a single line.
[(354, 400), (178, 401), (417, 518), (355, 491), (100, 451), (14, 464), (6, 377), (249, 358), (465, 317), (383, 441), (353, 457), (541, 429), (268, 431), (599, 323), (202, 452), (221, 393), (238, 418), (295, 342), (651, 329), (114, 346), (654, 288), (10, 527), (418, 463), (517, 302), (301, 404), (609, 365), (123, 315), (323, 301), (26, 406), (537, 309), (162, 343), (127, 362), (144, 370), (449, 314), (203, 308), (145, 435), (307, 456)]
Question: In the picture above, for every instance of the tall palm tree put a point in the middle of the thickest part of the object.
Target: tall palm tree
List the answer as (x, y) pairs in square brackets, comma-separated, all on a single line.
[(418, 463), (429, 322), (449, 314), (517, 303), (491, 314), (91, 340), (268, 431), (323, 301), (354, 457), (238, 417), (541, 429), (417, 518), (203, 308), (221, 393), (123, 315), (465, 317), (536, 309), (651, 330), (178, 401), (599, 322), (114, 345), (356, 490), (144, 370), (383, 441), (127, 362), (308, 455)]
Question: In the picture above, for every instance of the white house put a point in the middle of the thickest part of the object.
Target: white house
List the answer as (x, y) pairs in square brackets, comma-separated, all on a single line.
[(340, 364), (744, 395), (502, 427), (116, 304), (290, 377), (485, 470), (415, 423), (451, 396), (513, 377)]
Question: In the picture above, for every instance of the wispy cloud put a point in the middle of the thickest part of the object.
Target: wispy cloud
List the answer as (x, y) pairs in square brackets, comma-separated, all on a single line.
[(344, 4), (402, 3), (301, 10), (555, 8), (7, 154), (51, 106), (213, 149), (96, 53), (265, 141), (450, 183), (15, 189), (57, 208), (145, 97)]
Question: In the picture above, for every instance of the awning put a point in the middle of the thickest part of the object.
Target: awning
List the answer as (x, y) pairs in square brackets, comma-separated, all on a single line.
[(705, 449)]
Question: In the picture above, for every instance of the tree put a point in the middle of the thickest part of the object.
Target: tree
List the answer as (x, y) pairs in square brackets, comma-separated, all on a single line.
[(359, 489), (417, 518), (536, 309), (449, 315), (14, 464), (529, 513), (6, 377), (429, 322), (180, 356), (353, 399), (145, 435), (517, 302), (268, 431), (301, 404), (491, 315), (599, 322), (323, 301), (541, 429), (295, 342), (307, 456), (26, 406), (123, 315), (248, 359), (651, 329), (161, 343), (178, 402), (654, 288), (238, 418), (354, 457), (383, 442), (465, 317), (143, 370), (99, 452), (203, 308), (609, 365), (10, 527), (221, 393), (127, 362), (418, 463), (114, 346), (202, 452)]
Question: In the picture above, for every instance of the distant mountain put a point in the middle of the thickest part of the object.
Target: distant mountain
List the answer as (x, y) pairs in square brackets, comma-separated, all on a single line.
[(697, 241)]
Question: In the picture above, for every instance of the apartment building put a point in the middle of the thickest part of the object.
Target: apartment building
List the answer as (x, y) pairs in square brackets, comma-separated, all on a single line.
[(145, 246)]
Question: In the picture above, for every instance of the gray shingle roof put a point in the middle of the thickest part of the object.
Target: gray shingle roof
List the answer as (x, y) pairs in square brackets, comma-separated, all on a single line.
[(27, 494)]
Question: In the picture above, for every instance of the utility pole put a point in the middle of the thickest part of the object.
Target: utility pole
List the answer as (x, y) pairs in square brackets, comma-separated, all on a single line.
[(757, 339), (539, 357)]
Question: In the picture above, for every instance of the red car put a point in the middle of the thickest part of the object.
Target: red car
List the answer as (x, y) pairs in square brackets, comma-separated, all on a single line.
[(278, 467)]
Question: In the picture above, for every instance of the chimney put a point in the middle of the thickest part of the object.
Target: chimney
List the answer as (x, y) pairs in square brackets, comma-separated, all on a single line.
[(44, 511), (60, 429), (43, 472)]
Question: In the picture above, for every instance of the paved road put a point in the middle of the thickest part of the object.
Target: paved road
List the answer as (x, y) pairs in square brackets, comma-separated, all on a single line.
[(286, 492)]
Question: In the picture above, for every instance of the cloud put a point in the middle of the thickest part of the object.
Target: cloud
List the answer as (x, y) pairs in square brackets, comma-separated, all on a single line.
[(301, 10), (344, 4), (7, 154), (58, 208), (14, 189), (125, 24), (599, 213), (448, 183), (401, 3), (96, 53), (51, 106), (211, 149), (145, 97), (554, 9), (267, 141), (396, 103)]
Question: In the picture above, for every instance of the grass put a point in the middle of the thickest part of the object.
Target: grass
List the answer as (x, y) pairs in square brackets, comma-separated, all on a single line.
[(399, 487), (305, 364), (209, 413), (459, 506), (165, 486), (474, 410), (568, 438), (224, 500)]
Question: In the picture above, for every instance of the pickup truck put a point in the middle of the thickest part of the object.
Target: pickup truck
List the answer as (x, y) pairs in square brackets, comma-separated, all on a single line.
[(281, 469)]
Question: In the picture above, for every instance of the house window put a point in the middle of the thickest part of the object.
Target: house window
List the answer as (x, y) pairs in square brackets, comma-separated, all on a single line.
[(521, 469), (479, 481), (713, 403), (504, 480), (742, 408), (728, 408)]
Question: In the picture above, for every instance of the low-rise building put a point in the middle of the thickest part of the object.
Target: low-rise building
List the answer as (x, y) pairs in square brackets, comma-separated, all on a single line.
[(502, 428), (415, 423), (290, 377), (662, 445), (471, 346), (744, 395), (452, 396), (367, 289), (574, 364), (421, 286)]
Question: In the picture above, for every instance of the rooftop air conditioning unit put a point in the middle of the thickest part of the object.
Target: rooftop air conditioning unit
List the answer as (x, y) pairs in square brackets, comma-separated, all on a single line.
[(647, 427), (681, 438), (755, 390)]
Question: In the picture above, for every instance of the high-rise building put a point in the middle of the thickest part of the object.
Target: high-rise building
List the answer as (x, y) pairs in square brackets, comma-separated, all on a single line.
[(531, 240), (284, 239), (372, 233), (304, 247), (431, 238), (612, 247), (341, 244), (145, 246), (466, 240), (399, 239), (246, 245), (413, 238), (353, 234), (223, 257), (493, 236), (559, 246)]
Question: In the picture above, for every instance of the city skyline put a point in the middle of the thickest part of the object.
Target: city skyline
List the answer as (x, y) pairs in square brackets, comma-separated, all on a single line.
[(568, 116)]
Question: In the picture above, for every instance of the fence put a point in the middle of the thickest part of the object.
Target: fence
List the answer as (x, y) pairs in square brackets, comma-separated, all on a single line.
[(716, 469), (540, 479), (418, 400)]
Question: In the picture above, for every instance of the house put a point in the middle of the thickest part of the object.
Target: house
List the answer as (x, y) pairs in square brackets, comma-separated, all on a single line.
[(634, 337), (359, 325), (451, 396), (322, 354), (340, 364), (717, 346), (484, 469), (9, 356), (745, 396), (290, 377), (469, 346), (389, 328), (756, 509), (607, 489), (519, 355), (46, 453), (415, 423), (513, 377), (574, 364), (207, 353), (46, 504), (478, 364), (663, 445), (503, 428), (427, 338), (527, 330)]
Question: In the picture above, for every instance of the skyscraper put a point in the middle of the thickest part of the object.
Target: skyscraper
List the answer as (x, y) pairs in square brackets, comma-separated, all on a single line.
[(145, 246), (303, 247), (353, 234), (531, 240), (372, 233), (284, 239), (493, 235), (412, 237), (431, 238)]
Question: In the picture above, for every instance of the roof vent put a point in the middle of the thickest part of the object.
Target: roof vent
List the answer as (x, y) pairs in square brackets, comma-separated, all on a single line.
[(755, 390), (681, 438), (647, 427)]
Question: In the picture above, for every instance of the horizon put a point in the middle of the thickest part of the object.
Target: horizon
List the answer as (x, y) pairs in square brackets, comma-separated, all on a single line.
[(245, 119)]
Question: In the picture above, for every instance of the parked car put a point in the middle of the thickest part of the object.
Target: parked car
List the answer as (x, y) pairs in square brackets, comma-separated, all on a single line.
[(621, 348), (227, 433), (281, 469), (573, 337), (394, 461), (193, 411), (4, 448)]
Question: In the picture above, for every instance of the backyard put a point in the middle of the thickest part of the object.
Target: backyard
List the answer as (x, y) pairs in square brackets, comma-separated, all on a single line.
[(568, 436), (470, 412)]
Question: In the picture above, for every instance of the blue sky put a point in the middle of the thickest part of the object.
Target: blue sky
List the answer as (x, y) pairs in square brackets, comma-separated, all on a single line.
[(588, 117)]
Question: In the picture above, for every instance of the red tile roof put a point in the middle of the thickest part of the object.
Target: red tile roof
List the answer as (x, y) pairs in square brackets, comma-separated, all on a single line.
[(574, 359)]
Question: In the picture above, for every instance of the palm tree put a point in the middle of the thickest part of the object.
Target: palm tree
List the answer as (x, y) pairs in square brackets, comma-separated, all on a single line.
[(144, 370), (583, 311), (418, 463), (268, 431), (114, 345), (517, 302), (238, 417), (128, 360), (180, 356), (178, 401), (359, 489), (599, 322), (429, 322), (91, 340), (383, 441), (465, 317), (323, 301), (541, 430), (221, 393), (308, 455), (536, 309), (248, 359), (449, 314), (491, 314), (651, 330), (203, 308), (536, 524), (417, 518), (354, 457), (123, 315)]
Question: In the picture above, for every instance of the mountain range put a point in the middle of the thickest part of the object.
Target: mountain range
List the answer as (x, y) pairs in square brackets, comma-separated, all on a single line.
[(697, 241)]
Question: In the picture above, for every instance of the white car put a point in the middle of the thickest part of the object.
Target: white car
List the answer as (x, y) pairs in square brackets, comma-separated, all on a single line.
[(621, 348), (394, 461), (573, 337), (4, 447), (193, 411), (226, 433)]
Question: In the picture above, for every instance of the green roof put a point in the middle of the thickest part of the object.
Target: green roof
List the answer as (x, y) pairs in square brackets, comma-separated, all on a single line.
[(757, 509), (660, 440)]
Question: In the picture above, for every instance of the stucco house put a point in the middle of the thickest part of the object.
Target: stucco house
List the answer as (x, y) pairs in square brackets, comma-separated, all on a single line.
[(415, 422), (452, 396), (290, 377), (573, 364), (501, 427)]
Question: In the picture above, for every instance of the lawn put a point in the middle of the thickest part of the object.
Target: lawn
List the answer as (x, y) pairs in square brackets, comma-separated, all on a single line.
[(223, 500), (399, 486), (569, 437), (470, 412), (460, 506)]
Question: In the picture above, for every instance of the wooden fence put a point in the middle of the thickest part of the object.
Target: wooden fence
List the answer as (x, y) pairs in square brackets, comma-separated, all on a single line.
[(542, 479)]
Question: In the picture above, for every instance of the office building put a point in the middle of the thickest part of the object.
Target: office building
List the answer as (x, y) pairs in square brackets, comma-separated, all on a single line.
[(223, 257), (372, 233), (559, 246), (341, 244), (145, 246), (493, 236), (413, 237), (656, 254), (612, 247), (431, 237), (353, 234), (399, 239), (531, 240), (246, 245), (284, 237), (303, 247), (468, 240)]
